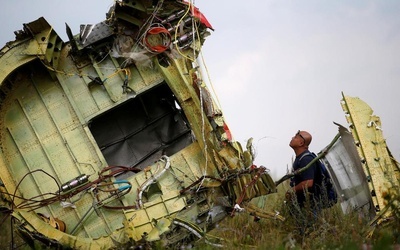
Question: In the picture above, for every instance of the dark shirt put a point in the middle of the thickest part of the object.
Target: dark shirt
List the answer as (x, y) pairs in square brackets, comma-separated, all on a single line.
[(308, 174)]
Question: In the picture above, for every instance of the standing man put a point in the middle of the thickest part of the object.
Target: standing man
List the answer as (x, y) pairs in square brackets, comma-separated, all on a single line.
[(303, 205), (302, 184)]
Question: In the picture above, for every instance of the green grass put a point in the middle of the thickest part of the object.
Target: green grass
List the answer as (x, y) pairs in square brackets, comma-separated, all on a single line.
[(334, 230)]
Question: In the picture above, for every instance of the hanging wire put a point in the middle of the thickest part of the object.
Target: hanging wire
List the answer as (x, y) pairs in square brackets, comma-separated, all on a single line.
[(194, 33), (27, 174), (176, 33), (203, 62), (46, 199), (147, 26), (194, 29)]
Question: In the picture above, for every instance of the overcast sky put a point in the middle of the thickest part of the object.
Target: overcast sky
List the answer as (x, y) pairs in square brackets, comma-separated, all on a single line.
[(277, 66)]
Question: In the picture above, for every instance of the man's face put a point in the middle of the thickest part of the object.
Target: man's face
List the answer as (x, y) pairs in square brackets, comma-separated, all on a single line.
[(297, 140)]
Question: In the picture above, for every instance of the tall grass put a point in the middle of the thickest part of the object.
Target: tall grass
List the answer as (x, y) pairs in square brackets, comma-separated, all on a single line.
[(333, 230)]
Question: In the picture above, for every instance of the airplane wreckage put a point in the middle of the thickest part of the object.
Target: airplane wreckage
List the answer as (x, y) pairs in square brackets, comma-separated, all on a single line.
[(113, 139)]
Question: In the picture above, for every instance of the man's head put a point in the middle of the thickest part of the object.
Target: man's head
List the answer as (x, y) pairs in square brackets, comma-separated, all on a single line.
[(300, 141)]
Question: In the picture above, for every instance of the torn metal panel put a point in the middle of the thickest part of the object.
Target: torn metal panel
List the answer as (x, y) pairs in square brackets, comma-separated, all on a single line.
[(382, 173), (112, 139), (344, 166), (364, 171), (90, 33)]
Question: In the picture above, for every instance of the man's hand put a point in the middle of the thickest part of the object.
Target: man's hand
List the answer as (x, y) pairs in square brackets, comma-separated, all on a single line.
[(289, 194)]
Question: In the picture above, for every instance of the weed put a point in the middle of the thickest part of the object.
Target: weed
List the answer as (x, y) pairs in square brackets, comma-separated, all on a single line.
[(332, 230)]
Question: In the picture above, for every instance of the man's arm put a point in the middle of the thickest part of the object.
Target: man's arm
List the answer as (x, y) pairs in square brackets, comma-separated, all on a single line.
[(304, 185)]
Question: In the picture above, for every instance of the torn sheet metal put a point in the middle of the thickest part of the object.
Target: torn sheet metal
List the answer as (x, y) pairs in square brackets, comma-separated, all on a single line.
[(111, 139), (361, 165), (381, 170), (344, 166), (91, 33)]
